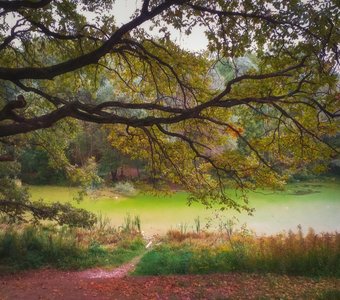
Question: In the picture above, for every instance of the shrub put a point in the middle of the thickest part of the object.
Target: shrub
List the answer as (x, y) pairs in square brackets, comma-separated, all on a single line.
[(125, 188)]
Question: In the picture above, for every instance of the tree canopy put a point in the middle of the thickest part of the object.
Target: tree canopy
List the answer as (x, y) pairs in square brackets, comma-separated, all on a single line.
[(200, 119)]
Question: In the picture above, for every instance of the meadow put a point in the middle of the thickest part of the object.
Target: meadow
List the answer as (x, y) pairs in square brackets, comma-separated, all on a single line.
[(313, 204)]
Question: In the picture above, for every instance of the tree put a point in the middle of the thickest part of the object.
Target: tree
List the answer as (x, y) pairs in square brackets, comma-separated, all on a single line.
[(164, 105)]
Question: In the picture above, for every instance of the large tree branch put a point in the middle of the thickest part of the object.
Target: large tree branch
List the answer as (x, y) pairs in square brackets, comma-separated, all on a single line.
[(14, 34), (87, 59), (7, 111), (99, 114), (84, 112), (45, 121), (53, 99), (15, 5)]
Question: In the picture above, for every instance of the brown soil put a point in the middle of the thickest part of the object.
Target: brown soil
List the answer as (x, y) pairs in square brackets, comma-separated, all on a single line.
[(117, 284)]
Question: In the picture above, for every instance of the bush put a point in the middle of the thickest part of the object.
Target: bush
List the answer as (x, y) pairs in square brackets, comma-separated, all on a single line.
[(125, 188), (35, 168)]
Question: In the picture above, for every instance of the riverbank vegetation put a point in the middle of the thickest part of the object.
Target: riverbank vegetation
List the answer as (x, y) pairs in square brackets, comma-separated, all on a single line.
[(204, 253), (194, 252), (29, 247)]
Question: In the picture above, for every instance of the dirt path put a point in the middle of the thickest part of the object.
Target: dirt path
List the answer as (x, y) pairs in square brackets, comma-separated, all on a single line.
[(55, 284), (116, 284), (119, 272)]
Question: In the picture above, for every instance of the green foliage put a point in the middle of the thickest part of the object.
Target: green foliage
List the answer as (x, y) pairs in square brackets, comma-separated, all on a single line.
[(35, 168), (266, 120), (85, 176), (15, 203), (42, 163), (292, 254), (34, 247)]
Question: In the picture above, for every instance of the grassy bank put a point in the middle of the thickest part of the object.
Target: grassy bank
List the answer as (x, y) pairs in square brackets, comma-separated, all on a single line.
[(29, 247), (290, 254)]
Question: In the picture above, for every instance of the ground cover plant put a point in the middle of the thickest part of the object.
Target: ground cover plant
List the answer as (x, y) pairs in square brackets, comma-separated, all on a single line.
[(202, 253)]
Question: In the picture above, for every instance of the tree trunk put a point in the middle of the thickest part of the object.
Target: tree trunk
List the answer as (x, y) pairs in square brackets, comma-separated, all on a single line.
[(113, 175)]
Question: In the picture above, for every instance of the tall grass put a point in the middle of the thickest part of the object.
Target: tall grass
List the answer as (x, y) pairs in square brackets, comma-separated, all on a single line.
[(31, 247), (291, 253), (36, 246), (131, 224), (314, 255)]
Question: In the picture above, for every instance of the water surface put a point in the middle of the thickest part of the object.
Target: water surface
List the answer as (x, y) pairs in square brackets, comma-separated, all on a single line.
[(315, 204)]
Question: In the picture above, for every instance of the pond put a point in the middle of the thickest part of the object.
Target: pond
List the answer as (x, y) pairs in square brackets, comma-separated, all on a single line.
[(314, 204)]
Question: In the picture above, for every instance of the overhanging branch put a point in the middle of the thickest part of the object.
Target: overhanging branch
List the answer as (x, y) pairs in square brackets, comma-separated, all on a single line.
[(15, 5), (87, 59)]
